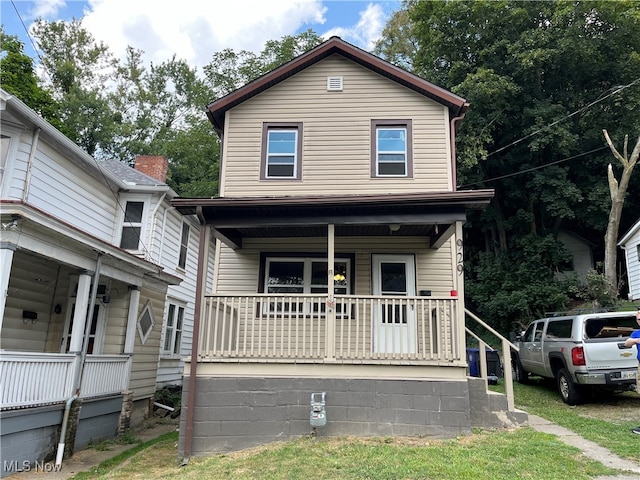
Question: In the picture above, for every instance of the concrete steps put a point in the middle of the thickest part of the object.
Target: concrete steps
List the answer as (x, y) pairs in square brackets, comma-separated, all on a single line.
[(489, 409)]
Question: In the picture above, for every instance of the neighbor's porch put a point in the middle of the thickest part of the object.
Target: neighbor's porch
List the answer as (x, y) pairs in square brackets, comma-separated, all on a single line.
[(35, 379)]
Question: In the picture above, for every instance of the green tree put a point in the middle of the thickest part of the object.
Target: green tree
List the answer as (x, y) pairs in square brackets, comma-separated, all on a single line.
[(543, 79), (230, 70), (18, 78), (78, 68)]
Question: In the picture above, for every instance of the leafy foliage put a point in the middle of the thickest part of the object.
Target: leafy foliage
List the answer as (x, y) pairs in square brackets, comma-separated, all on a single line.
[(543, 79), (18, 78)]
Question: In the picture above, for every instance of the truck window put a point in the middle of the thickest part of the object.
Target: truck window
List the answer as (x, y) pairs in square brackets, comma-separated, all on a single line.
[(533, 333), (560, 328), (610, 327)]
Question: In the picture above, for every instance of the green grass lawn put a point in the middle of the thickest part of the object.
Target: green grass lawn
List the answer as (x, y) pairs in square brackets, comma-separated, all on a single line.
[(520, 453)]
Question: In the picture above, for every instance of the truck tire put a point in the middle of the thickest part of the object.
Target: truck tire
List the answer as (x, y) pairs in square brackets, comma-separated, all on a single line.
[(521, 375), (570, 392)]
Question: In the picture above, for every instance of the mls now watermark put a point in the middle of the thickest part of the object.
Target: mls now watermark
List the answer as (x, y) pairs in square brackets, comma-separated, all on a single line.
[(29, 466)]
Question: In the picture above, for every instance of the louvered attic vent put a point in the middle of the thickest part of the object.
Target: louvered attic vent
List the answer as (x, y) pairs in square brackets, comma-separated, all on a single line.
[(334, 84)]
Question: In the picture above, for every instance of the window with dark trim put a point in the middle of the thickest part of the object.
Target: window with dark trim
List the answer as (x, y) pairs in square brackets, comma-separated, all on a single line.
[(391, 148), (132, 225), (184, 246), (281, 151), (303, 274)]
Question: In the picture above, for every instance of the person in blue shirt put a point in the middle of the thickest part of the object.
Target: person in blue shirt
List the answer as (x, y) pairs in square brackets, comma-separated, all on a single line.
[(634, 339)]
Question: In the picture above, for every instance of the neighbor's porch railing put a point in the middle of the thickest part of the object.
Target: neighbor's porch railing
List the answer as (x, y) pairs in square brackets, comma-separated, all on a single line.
[(29, 379), (316, 329)]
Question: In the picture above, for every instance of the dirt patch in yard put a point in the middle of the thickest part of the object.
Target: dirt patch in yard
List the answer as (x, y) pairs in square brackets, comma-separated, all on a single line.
[(613, 408)]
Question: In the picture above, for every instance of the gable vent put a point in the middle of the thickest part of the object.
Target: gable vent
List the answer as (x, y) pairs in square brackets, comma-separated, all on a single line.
[(334, 84)]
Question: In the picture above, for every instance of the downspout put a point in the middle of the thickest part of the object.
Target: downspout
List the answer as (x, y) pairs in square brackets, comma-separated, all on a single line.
[(200, 282), (454, 173), (77, 380), (32, 154)]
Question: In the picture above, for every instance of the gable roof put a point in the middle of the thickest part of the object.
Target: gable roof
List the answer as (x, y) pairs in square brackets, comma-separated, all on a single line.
[(627, 236), (335, 45)]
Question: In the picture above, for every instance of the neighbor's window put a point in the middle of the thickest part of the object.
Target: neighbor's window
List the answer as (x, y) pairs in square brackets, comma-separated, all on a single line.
[(391, 149), (184, 246), (132, 225), (281, 151), (173, 329)]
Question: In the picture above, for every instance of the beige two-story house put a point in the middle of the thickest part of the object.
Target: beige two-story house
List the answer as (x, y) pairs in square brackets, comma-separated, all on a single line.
[(339, 259)]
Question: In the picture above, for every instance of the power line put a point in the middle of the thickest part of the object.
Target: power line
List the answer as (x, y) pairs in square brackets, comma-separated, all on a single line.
[(35, 49), (534, 168), (596, 101)]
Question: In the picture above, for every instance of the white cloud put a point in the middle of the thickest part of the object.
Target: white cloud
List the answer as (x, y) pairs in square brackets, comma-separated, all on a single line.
[(46, 8), (366, 31), (195, 29)]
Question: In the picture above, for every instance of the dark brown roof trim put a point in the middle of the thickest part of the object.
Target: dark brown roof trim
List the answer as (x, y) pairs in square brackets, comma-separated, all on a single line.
[(216, 110), (466, 198)]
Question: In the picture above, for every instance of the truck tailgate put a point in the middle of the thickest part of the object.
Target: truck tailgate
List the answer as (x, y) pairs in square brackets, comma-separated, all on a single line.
[(609, 354)]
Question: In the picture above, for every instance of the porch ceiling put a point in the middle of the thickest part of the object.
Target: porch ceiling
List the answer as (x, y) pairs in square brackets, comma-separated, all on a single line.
[(426, 214)]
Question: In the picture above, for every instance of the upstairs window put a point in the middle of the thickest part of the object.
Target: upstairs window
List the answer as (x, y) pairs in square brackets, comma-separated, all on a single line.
[(132, 225), (281, 151), (391, 149), (184, 246)]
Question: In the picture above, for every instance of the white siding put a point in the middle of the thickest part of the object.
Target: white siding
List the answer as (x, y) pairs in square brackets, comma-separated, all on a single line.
[(59, 187), (336, 155), (580, 252), (632, 254)]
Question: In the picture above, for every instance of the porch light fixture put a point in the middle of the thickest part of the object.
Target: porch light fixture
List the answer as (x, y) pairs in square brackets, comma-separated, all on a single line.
[(394, 227)]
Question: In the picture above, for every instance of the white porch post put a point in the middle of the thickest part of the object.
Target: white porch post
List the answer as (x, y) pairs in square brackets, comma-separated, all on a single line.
[(331, 315), (80, 313), (6, 259), (134, 301)]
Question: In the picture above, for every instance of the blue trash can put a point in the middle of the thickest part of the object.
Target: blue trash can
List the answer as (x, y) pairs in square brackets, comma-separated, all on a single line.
[(473, 359), (493, 362)]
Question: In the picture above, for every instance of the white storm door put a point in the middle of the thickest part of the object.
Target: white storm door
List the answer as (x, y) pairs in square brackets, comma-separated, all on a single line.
[(394, 322)]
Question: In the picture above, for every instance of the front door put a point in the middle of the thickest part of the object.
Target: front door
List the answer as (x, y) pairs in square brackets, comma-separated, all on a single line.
[(394, 329), (96, 332)]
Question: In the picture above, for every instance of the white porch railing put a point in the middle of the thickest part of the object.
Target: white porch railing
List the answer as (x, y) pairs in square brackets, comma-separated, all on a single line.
[(35, 378), (315, 329), (30, 379), (104, 375)]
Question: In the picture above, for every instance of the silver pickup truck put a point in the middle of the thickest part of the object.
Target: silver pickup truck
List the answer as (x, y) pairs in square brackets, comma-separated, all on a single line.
[(581, 352)]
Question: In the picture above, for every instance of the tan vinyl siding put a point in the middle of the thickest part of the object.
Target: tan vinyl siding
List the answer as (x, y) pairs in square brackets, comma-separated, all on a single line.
[(337, 134), (145, 360), (238, 270), (116, 322), (32, 287)]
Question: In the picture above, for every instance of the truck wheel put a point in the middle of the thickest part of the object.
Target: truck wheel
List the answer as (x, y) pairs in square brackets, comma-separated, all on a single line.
[(522, 376), (569, 391)]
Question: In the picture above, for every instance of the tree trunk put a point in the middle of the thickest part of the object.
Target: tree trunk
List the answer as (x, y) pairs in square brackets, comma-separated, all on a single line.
[(617, 191)]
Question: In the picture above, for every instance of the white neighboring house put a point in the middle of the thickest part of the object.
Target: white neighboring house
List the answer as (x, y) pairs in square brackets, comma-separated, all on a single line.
[(80, 317), (630, 243), (169, 239)]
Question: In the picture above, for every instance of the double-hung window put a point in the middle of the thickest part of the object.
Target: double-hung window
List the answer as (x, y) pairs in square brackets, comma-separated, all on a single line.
[(173, 330), (292, 276), (391, 149), (132, 225), (281, 151)]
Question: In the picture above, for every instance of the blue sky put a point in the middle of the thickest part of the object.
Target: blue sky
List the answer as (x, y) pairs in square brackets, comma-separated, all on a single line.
[(195, 29)]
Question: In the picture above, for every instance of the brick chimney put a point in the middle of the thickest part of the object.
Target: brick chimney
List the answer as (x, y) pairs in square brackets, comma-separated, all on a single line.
[(155, 166)]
